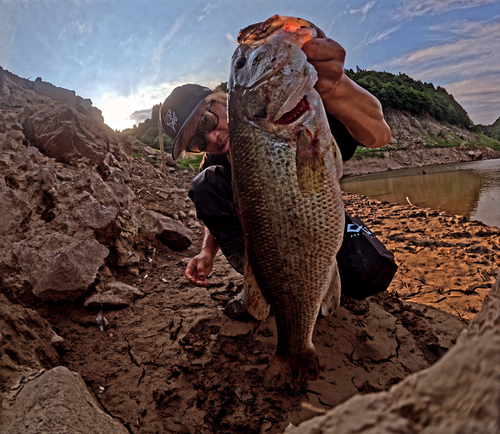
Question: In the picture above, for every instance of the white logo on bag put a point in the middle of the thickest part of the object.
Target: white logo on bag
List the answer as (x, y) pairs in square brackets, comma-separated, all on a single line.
[(170, 119), (356, 229)]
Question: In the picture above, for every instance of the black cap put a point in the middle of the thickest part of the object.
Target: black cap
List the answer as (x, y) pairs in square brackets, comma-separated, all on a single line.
[(178, 109)]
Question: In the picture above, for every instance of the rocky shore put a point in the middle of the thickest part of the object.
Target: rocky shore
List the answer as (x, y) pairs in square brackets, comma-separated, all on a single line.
[(101, 333), (408, 147)]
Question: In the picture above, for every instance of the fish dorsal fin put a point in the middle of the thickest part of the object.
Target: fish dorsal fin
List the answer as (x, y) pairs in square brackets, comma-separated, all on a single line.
[(255, 301), (310, 163)]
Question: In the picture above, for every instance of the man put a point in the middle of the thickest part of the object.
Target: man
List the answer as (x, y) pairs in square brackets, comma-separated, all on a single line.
[(195, 117)]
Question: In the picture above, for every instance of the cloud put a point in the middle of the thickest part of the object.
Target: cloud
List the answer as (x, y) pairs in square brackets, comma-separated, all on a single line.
[(480, 97), (80, 27), (206, 10), (475, 51), (230, 38), (8, 30), (120, 112), (468, 90), (379, 36), (468, 66), (164, 43), (363, 10), (141, 115), (417, 8)]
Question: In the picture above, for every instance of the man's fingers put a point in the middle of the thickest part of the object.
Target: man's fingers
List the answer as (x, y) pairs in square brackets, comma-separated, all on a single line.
[(324, 49), (195, 274), (203, 283), (197, 282), (189, 276)]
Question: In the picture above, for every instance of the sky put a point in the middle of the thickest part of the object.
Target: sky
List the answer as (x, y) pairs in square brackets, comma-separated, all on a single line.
[(127, 56)]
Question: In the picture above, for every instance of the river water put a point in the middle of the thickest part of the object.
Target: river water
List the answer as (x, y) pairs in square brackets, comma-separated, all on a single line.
[(470, 189)]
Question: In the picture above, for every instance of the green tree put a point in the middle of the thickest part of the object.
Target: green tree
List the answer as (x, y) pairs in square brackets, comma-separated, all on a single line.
[(222, 87), (401, 92)]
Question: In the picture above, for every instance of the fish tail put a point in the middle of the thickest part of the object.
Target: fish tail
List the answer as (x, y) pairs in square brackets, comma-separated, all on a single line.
[(284, 369), (278, 373)]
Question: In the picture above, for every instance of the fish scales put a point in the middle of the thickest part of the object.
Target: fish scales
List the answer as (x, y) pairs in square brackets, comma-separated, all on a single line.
[(285, 179)]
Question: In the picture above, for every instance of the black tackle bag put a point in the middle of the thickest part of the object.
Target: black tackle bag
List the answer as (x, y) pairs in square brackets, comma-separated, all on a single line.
[(366, 267)]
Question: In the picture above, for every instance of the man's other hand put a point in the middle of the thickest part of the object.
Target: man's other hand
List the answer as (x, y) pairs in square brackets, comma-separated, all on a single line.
[(199, 268)]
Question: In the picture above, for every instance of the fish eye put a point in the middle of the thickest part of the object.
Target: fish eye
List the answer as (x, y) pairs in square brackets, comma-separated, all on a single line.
[(241, 62)]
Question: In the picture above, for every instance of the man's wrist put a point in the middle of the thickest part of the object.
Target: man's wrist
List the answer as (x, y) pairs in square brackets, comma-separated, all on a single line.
[(211, 251)]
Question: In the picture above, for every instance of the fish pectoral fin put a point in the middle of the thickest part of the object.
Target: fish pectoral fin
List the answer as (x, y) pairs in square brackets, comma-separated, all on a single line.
[(331, 300), (255, 301), (311, 169)]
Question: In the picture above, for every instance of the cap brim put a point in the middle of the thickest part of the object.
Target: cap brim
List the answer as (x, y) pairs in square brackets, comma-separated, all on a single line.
[(181, 142)]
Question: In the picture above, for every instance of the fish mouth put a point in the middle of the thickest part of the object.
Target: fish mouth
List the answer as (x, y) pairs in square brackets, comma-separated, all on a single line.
[(291, 116)]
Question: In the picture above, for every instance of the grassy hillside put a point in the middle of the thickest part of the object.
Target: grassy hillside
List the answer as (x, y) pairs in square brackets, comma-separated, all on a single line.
[(402, 92)]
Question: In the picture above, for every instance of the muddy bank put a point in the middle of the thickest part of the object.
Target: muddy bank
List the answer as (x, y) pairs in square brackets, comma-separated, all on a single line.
[(178, 361)]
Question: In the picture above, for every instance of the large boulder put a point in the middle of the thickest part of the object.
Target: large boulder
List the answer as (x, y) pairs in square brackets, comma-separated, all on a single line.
[(67, 209), (57, 402), (61, 273), (26, 344), (65, 134), (14, 208)]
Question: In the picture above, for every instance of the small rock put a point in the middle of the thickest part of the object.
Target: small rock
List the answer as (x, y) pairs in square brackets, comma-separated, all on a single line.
[(236, 328), (114, 294), (101, 321), (56, 339), (170, 232)]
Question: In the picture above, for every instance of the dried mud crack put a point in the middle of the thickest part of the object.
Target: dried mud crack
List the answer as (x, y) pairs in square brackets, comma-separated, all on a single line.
[(175, 362)]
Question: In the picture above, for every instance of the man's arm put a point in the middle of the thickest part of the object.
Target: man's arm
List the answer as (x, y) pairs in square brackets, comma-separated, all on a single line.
[(354, 106), (201, 265)]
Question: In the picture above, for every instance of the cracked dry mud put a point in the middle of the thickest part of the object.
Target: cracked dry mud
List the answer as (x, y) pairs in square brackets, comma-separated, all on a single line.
[(177, 363)]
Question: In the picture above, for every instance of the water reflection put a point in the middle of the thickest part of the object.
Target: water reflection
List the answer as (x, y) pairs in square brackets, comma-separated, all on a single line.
[(469, 189)]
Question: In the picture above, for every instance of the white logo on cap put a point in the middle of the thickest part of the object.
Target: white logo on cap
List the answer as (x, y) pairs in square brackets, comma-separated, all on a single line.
[(171, 119)]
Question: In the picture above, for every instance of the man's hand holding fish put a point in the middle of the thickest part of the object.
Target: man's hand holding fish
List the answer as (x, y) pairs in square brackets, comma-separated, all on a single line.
[(352, 105)]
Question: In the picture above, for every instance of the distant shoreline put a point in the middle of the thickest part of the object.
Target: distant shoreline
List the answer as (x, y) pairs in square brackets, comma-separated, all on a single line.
[(419, 157)]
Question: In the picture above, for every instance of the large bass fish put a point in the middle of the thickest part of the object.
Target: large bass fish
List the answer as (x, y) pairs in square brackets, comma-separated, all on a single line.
[(286, 168)]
